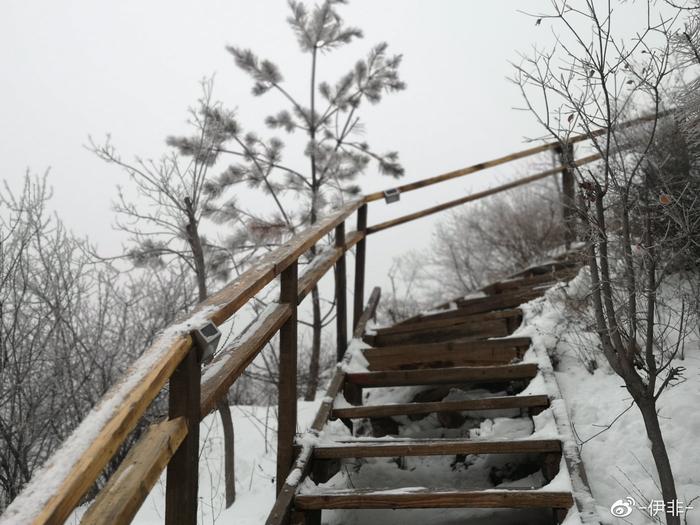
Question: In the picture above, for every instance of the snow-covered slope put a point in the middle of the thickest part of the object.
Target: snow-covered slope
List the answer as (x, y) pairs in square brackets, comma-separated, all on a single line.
[(618, 459)]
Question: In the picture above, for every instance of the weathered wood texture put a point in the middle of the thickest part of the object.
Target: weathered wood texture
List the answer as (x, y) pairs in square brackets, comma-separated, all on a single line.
[(341, 301), (474, 196), (444, 355), (368, 313), (430, 499), (530, 283), (287, 384), (231, 298), (432, 325), (466, 405), (324, 262), (442, 376), (360, 255), (464, 330), (122, 496), (426, 447), (230, 362), (182, 480)]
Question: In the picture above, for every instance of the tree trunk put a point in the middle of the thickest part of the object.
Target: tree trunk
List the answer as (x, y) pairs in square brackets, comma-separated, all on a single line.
[(314, 362), (222, 406), (658, 450), (229, 456)]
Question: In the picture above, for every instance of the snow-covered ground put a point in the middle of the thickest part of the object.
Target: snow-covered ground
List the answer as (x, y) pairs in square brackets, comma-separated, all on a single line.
[(618, 459)]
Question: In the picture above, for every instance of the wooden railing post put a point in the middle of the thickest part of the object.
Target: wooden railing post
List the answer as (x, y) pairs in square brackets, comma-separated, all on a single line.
[(287, 386), (360, 250), (341, 308), (566, 157), (182, 480)]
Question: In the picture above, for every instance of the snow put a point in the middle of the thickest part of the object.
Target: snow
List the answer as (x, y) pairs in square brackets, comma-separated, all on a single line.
[(46, 482), (617, 460)]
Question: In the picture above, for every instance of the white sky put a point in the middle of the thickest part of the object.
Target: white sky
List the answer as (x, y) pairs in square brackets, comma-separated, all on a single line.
[(131, 68)]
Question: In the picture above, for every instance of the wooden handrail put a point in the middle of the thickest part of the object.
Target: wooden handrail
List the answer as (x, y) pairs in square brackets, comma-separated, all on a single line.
[(508, 158), (479, 195)]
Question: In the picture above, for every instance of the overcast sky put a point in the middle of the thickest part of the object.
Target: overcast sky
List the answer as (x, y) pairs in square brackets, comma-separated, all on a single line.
[(131, 68)]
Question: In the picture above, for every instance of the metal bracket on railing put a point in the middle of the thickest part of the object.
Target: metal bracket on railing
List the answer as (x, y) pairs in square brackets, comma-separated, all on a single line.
[(206, 337), (392, 195)]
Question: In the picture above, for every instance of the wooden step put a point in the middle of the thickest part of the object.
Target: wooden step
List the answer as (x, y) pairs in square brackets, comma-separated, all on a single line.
[(447, 354), (368, 448), (421, 498), (443, 376), (407, 409), (530, 282), (463, 331), (426, 324), (547, 268)]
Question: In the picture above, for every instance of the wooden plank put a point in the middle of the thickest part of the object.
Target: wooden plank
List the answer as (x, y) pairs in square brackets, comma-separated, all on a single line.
[(474, 196), (507, 158), (445, 358), (230, 362), (324, 262), (430, 447), (407, 409), (369, 312), (442, 376), (341, 301), (502, 300), (360, 255), (281, 509), (548, 267), (425, 350), (182, 479), (431, 499), (481, 330), (425, 325), (232, 297), (287, 383), (524, 283), (127, 489)]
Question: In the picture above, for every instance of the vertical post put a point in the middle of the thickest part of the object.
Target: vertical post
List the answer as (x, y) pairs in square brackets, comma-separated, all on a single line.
[(183, 470), (566, 157), (359, 301), (287, 386), (341, 308)]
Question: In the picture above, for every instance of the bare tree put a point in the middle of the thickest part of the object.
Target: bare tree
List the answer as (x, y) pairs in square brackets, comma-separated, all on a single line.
[(586, 83), (165, 222), (68, 329)]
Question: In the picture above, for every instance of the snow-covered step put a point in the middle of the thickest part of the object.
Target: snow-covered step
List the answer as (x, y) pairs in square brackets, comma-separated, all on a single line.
[(443, 376), (530, 282), (450, 353), (533, 403), (423, 498), (427, 324), (465, 329), (384, 448)]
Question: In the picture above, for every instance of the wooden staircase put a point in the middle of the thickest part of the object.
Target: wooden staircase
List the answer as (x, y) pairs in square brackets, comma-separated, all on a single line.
[(464, 347)]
